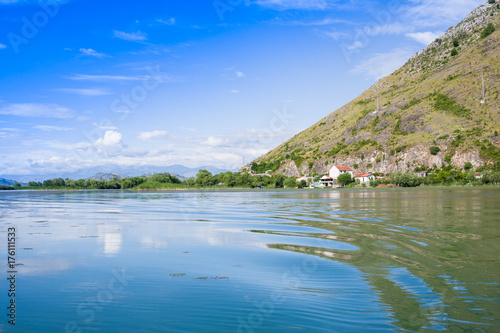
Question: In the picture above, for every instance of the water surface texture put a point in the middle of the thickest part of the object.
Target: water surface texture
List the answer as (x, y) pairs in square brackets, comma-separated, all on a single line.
[(254, 261)]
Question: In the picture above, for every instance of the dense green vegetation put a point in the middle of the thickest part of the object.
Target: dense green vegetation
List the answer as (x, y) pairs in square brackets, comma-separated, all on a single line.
[(448, 175), (204, 179), (488, 30), (445, 103)]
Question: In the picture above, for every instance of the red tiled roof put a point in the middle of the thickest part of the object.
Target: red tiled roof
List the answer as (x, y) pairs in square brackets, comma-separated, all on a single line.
[(343, 168), (362, 175)]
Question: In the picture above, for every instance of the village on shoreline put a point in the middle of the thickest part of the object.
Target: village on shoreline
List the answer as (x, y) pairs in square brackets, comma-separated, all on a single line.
[(339, 176)]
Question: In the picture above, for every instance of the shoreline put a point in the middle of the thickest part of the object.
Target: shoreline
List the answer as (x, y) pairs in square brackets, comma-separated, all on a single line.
[(244, 189)]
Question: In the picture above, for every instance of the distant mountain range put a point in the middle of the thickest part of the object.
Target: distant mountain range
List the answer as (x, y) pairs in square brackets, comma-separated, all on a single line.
[(113, 170), (9, 182)]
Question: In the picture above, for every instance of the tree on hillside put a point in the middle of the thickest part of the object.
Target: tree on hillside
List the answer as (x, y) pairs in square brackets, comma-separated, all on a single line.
[(345, 179)]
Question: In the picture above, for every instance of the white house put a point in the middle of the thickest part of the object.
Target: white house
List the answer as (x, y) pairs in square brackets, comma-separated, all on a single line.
[(364, 177), (337, 170), (302, 178)]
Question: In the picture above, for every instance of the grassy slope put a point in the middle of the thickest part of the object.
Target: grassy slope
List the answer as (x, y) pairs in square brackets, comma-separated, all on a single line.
[(409, 121)]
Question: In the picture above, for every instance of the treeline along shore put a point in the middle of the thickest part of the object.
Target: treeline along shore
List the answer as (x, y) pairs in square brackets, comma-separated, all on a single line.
[(228, 180)]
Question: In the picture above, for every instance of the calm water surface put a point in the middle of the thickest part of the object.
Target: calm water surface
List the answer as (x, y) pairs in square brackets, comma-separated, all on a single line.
[(254, 261)]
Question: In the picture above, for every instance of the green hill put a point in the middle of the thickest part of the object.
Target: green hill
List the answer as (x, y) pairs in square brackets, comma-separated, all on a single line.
[(434, 100)]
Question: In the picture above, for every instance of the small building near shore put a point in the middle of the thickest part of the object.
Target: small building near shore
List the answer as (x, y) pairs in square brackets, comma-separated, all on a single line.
[(299, 179), (327, 181), (422, 174), (337, 170), (364, 177)]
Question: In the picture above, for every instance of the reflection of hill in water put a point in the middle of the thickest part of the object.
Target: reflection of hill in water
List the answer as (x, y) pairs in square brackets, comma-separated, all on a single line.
[(432, 258)]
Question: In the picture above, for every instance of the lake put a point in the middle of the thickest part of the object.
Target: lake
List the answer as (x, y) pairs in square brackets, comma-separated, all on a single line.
[(252, 261)]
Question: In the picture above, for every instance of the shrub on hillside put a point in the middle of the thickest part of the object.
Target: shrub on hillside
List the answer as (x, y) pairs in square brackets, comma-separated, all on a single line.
[(488, 30), (435, 150)]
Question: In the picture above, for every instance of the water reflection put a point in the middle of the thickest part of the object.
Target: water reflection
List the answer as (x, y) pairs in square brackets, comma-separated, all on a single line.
[(384, 260)]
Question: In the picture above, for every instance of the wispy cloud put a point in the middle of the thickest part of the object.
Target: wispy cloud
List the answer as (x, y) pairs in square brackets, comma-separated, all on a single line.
[(294, 4), (240, 74), (130, 36), (85, 77), (424, 37), (356, 45), (234, 91), (170, 21), (85, 92), (151, 135), (2, 46), (321, 22), (431, 13), (48, 128), (92, 53), (383, 64), (36, 110), (336, 35)]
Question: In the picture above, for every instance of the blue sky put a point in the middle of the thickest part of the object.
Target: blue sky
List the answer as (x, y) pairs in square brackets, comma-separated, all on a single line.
[(85, 83)]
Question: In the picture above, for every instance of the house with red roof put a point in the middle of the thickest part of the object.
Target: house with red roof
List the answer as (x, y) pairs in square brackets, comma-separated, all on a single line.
[(337, 170), (364, 177)]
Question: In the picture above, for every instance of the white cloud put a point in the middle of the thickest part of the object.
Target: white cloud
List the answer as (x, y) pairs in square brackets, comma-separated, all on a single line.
[(85, 92), (47, 128), (430, 13), (356, 45), (36, 110), (170, 21), (110, 144), (151, 135), (234, 91), (130, 36), (395, 28), (110, 138), (294, 4), (424, 37), (240, 74), (161, 77), (2, 46), (214, 141), (92, 53), (10, 129), (383, 64), (322, 22), (335, 34), (105, 127)]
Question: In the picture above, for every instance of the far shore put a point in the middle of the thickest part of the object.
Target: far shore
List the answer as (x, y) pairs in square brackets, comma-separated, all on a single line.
[(246, 189)]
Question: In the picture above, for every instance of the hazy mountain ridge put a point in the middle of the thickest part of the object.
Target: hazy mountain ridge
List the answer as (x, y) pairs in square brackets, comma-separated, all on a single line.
[(8, 182), (125, 171), (432, 100)]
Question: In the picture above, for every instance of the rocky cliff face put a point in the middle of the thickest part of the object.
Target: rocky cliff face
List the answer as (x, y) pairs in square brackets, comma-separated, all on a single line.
[(434, 100)]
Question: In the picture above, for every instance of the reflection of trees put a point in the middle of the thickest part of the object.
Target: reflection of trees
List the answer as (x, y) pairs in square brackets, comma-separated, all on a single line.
[(444, 248)]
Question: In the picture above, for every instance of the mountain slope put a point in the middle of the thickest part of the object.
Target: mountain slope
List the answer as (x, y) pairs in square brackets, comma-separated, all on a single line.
[(434, 100)]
